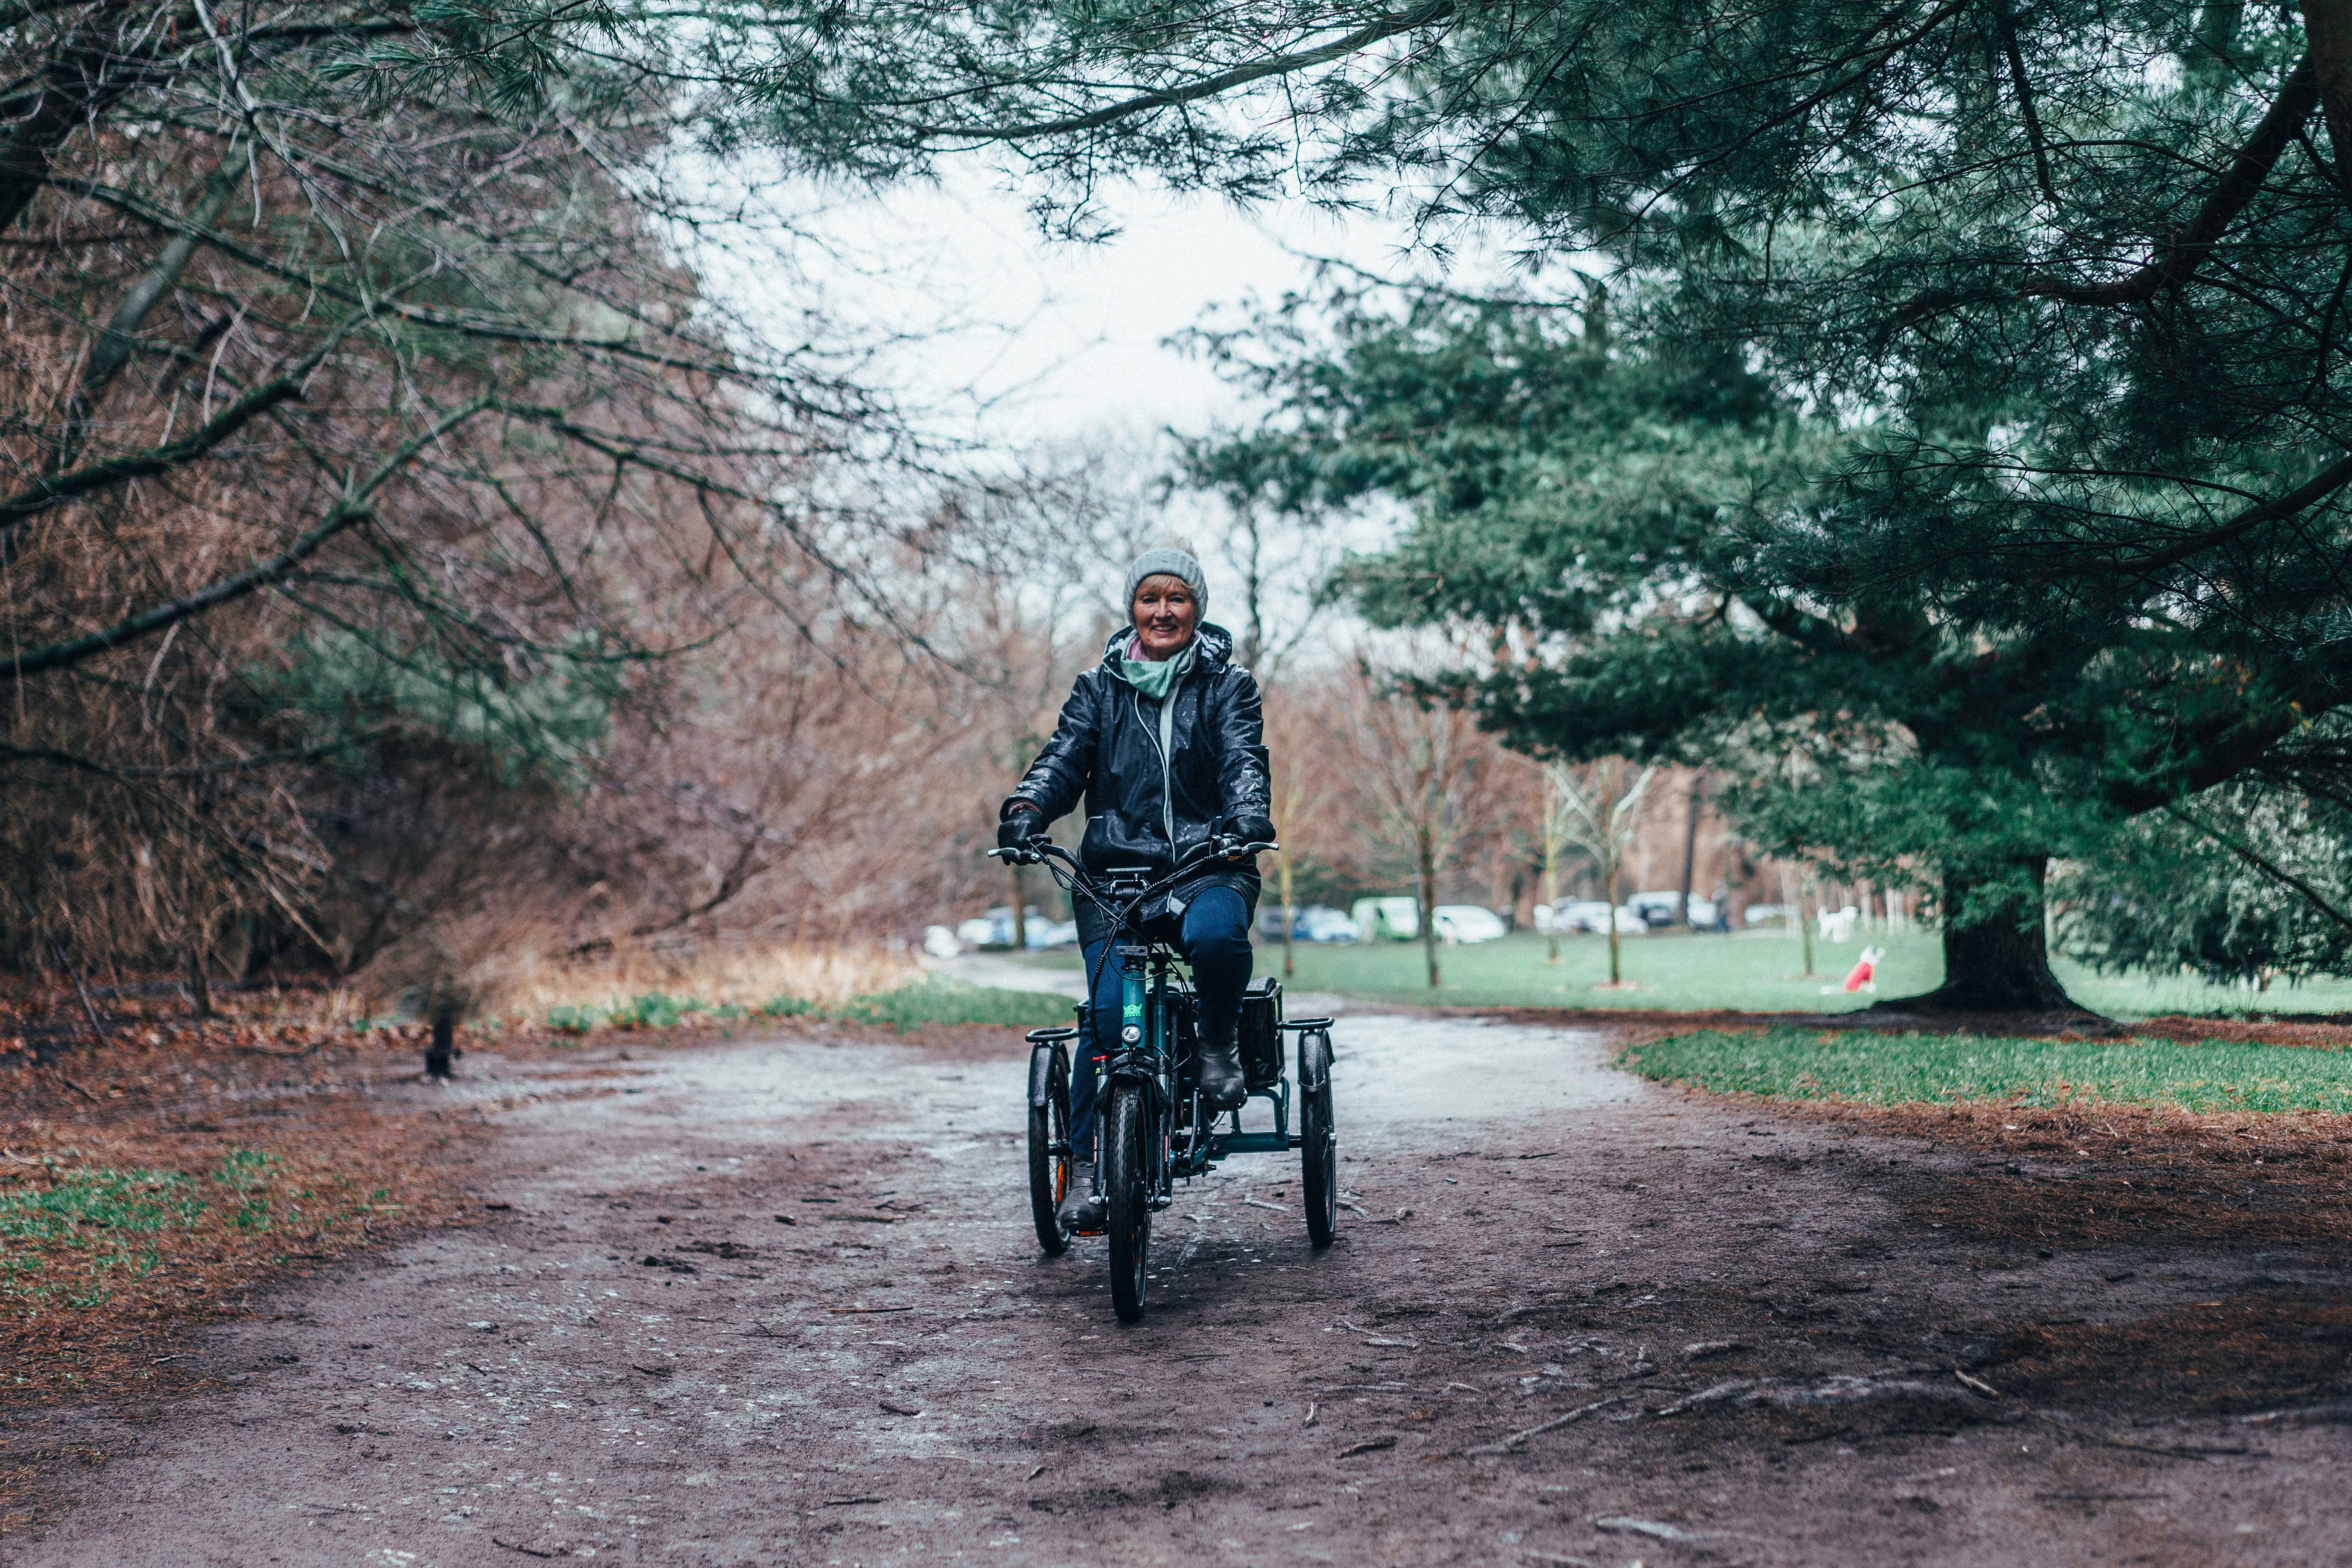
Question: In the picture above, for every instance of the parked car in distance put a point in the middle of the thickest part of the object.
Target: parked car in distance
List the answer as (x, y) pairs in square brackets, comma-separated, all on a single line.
[(1398, 919), (1658, 910), (985, 931), (1592, 915), (994, 928), (1765, 915), (1666, 909), (1467, 922), (1319, 922)]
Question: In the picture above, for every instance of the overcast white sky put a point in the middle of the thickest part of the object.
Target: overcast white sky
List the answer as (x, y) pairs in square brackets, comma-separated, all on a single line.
[(1015, 341), (1061, 339)]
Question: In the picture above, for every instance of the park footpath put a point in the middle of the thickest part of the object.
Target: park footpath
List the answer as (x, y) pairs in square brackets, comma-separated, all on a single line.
[(776, 1301)]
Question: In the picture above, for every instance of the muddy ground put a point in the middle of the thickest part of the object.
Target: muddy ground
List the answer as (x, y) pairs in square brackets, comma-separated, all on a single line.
[(777, 1302)]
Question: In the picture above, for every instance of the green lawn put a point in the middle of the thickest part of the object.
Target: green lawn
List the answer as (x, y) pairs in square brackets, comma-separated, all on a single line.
[(1753, 972), (939, 1001), (1912, 1069)]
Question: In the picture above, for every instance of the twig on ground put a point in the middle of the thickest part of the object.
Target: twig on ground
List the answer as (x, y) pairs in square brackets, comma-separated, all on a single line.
[(1706, 1348), (1258, 1204), (853, 1312), (2336, 1410), (1369, 1445), (1557, 1422), (1313, 1410), (897, 1409), (2166, 1450), (96, 1029), (518, 1546), (1372, 1339), (1714, 1396), (1535, 1308), (1629, 1525), (76, 1087)]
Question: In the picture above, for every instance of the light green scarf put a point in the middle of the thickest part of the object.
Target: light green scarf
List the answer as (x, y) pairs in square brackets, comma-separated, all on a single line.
[(1156, 678)]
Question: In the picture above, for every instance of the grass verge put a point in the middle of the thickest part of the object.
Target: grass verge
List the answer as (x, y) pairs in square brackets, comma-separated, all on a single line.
[(936, 1000), (1941, 1069), (933, 999)]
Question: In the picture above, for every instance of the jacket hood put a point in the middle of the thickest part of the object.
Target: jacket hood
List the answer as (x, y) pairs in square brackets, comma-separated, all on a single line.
[(1215, 644)]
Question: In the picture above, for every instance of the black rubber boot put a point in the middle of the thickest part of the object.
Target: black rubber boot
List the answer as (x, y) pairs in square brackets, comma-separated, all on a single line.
[(1223, 1087), (1081, 1210)]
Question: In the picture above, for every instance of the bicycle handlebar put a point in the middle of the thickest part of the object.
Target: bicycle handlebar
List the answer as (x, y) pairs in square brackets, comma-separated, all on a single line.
[(1077, 879), (1224, 846)]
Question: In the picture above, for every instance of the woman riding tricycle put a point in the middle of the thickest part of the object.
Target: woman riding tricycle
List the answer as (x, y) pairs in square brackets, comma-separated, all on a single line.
[(1164, 742)]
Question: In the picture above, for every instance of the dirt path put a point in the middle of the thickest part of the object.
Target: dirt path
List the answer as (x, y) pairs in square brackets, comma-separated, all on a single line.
[(638, 1361)]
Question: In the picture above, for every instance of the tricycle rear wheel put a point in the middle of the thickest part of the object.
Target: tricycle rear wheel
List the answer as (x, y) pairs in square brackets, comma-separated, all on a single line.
[(1049, 1172), (1319, 1140), (1127, 1198)]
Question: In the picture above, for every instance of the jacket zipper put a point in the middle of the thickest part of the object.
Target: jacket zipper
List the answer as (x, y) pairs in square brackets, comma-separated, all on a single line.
[(1164, 737)]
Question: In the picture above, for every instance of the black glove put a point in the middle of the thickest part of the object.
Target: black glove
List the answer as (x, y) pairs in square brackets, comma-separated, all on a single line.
[(1015, 831), (1251, 829)]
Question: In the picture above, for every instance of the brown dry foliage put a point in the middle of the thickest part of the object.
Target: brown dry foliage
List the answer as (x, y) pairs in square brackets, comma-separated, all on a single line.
[(551, 604)]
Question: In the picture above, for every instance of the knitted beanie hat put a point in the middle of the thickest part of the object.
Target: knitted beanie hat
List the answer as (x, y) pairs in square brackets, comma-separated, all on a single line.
[(1167, 562)]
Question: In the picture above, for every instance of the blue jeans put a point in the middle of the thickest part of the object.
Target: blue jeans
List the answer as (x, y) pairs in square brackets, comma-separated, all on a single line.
[(1214, 938)]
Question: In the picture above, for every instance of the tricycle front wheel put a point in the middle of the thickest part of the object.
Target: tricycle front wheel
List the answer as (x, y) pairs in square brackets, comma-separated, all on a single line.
[(1127, 1198)]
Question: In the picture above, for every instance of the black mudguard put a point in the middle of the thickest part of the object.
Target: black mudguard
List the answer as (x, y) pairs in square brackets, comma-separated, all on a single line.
[(1041, 1072)]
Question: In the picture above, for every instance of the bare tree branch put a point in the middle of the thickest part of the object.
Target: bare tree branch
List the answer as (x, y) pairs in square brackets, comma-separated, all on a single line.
[(351, 508)]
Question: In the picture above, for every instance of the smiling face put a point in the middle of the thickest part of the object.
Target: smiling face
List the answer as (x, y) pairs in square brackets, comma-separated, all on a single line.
[(1165, 611)]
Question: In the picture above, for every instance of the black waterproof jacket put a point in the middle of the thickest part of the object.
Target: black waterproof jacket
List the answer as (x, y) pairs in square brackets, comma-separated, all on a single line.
[(1107, 748)]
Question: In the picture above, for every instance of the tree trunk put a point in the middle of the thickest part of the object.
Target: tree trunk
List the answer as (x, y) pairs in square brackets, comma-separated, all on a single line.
[(1547, 889), (1429, 908), (1616, 975), (200, 991), (1690, 841), (1999, 965), (1289, 917), (443, 1049)]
